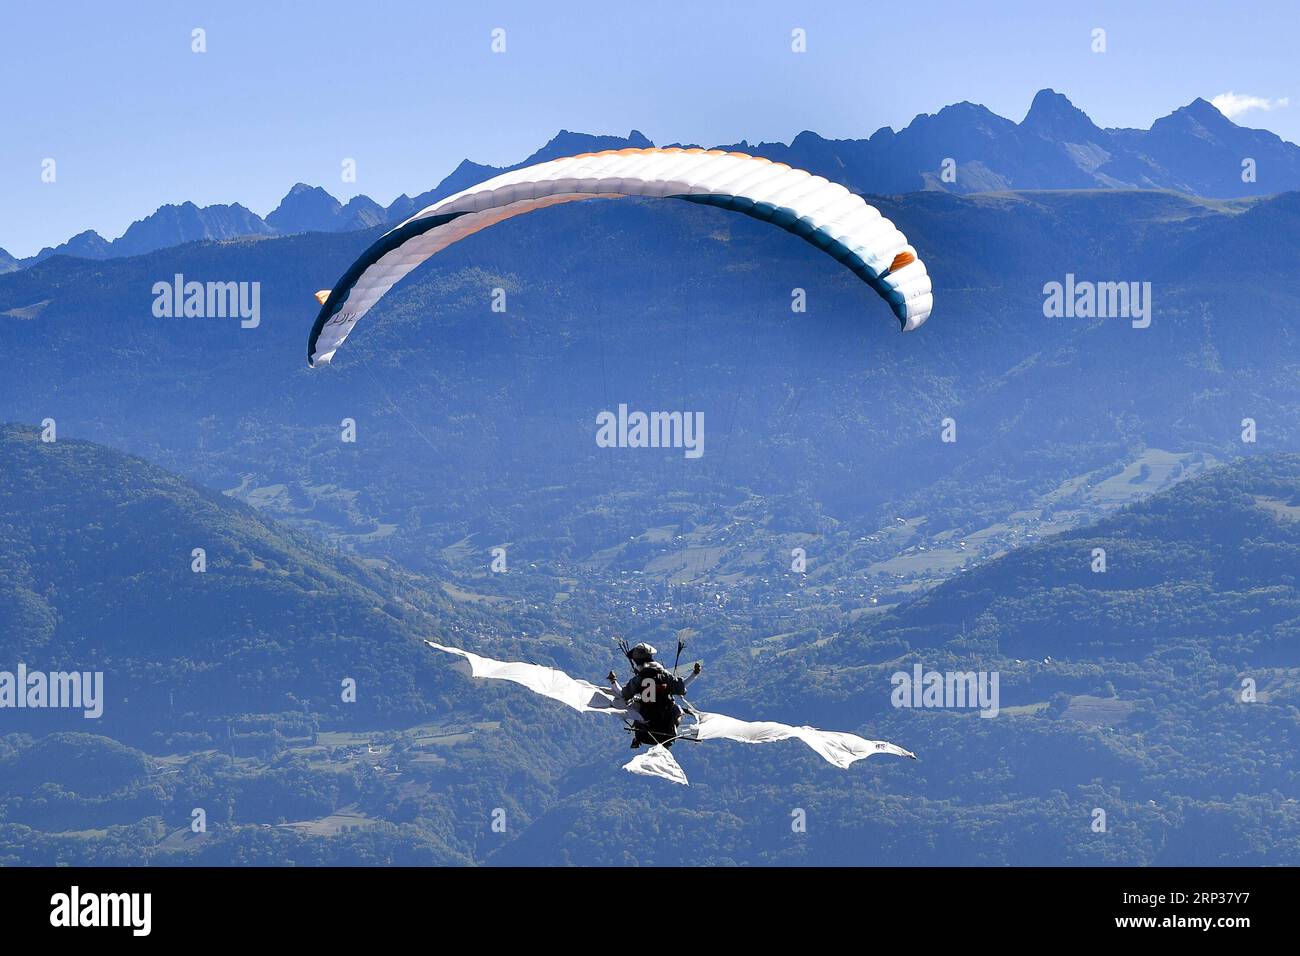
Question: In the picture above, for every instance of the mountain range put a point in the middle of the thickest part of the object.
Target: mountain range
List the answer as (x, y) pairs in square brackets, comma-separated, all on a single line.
[(1194, 150)]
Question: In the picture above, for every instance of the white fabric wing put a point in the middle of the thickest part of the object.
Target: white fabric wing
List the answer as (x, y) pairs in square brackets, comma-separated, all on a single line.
[(825, 213), (658, 761), (836, 747), (841, 749), (547, 681)]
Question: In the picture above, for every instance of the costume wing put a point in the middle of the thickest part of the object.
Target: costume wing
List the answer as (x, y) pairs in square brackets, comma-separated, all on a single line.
[(658, 761), (547, 681), (835, 747)]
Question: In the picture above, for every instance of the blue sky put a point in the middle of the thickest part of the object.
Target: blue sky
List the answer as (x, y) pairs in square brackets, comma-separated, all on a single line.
[(287, 91)]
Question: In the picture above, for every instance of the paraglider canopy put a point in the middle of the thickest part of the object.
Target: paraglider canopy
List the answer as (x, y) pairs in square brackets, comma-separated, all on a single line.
[(826, 214)]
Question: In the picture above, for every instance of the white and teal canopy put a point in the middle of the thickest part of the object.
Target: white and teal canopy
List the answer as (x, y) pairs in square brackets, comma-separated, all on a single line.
[(822, 212)]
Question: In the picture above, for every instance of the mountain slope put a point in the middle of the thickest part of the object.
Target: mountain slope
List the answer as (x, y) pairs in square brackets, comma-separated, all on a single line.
[(223, 690), (96, 556), (661, 304), (1212, 563), (1185, 771), (1154, 730)]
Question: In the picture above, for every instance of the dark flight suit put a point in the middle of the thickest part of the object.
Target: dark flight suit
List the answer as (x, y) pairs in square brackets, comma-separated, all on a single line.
[(659, 712)]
